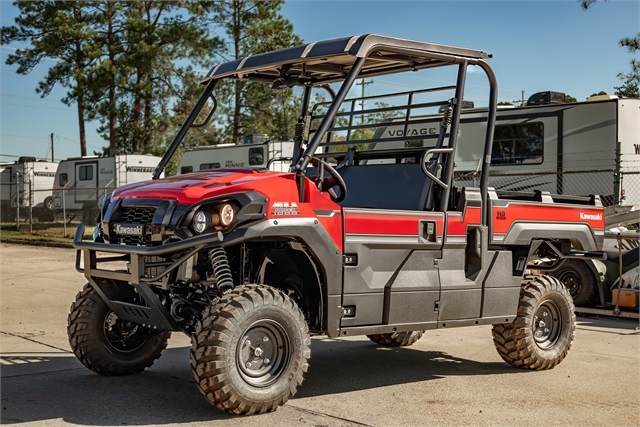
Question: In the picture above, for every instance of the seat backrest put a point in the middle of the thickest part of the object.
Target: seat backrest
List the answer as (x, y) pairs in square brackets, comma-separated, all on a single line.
[(400, 186)]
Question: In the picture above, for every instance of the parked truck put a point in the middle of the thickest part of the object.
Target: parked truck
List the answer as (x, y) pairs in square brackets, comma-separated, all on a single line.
[(81, 183), (25, 185), (250, 263)]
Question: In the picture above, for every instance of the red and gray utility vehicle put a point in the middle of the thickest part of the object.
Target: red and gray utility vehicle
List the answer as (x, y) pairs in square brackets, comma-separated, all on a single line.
[(366, 235)]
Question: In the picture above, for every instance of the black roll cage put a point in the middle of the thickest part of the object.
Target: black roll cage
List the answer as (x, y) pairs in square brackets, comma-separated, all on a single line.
[(315, 65)]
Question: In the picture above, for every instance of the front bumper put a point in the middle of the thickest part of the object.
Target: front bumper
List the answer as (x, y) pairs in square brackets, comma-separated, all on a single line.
[(135, 255), (105, 281)]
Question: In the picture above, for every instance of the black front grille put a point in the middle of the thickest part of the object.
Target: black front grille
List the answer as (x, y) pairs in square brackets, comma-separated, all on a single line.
[(135, 240), (137, 214)]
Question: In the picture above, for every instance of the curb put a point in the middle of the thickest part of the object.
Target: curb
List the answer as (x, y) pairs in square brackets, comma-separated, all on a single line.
[(38, 243)]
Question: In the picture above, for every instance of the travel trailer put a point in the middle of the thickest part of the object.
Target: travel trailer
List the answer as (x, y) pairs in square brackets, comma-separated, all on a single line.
[(87, 180), (26, 184), (582, 148), (274, 155)]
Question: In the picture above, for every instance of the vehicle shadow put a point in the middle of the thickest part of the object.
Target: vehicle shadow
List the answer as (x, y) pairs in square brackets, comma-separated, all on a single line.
[(340, 366), (630, 326), (53, 386)]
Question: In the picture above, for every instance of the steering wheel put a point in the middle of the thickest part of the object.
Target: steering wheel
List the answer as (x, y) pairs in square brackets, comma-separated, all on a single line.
[(327, 183)]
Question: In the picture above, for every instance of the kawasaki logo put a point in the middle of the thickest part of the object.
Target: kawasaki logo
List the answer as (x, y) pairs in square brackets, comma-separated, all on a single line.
[(128, 230), (596, 217)]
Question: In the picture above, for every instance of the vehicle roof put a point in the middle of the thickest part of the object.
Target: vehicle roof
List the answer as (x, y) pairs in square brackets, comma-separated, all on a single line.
[(330, 60)]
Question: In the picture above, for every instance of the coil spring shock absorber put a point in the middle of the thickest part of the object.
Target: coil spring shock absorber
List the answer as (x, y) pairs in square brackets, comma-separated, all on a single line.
[(446, 118), (221, 269)]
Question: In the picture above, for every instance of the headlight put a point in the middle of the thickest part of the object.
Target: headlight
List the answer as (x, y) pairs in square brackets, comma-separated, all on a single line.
[(226, 214), (200, 222)]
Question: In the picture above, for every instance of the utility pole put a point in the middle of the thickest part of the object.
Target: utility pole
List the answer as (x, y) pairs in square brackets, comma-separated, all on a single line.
[(363, 84), (53, 158), (521, 100)]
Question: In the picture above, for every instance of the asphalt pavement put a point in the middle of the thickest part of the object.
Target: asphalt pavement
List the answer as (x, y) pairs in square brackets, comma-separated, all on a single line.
[(449, 378)]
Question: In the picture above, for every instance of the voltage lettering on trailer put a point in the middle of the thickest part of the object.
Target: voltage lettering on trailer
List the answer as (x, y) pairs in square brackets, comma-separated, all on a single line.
[(414, 132), (285, 208)]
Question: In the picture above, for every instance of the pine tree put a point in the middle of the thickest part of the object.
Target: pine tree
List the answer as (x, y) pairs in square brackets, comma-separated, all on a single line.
[(60, 31), (253, 27)]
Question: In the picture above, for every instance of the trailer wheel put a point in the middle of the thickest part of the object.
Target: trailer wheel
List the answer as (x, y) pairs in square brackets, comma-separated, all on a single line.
[(250, 355), (397, 339), (106, 344), (540, 337), (578, 278), (48, 204)]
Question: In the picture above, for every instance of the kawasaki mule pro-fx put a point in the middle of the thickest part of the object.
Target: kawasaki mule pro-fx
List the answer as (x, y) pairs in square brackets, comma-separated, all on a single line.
[(366, 235)]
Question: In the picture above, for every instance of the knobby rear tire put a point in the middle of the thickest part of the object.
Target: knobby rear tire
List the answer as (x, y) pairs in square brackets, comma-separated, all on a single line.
[(236, 326), (526, 342)]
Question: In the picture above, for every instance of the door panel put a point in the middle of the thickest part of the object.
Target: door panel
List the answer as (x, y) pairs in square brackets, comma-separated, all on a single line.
[(389, 260), (461, 293)]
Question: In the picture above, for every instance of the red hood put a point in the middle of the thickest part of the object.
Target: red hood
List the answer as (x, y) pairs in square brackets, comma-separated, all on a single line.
[(197, 186)]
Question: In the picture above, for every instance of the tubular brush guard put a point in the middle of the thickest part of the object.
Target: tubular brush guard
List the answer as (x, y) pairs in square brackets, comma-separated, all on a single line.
[(155, 314)]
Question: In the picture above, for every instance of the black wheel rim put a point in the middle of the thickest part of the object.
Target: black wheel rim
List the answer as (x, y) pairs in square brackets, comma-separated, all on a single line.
[(547, 324), (124, 336), (572, 282), (263, 353)]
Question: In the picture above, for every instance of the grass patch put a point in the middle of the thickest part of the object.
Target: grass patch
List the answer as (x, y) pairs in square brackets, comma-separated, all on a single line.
[(43, 236)]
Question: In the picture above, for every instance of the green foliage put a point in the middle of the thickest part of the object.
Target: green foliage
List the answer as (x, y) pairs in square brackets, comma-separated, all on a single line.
[(504, 103), (570, 99), (131, 65), (115, 57), (59, 30), (252, 27), (598, 94), (630, 87), (631, 43)]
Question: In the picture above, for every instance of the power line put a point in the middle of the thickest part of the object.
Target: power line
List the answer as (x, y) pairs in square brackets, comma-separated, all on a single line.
[(46, 137), (8, 95), (36, 106), (24, 136)]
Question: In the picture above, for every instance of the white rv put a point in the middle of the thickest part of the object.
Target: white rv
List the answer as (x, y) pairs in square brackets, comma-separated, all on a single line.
[(86, 180), (582, 148), (26, 184), (270, 154)]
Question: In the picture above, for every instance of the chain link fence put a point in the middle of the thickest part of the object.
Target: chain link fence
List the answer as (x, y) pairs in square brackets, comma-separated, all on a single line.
[(47, 212), (630, 187), (57, 213), (602, 182)]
